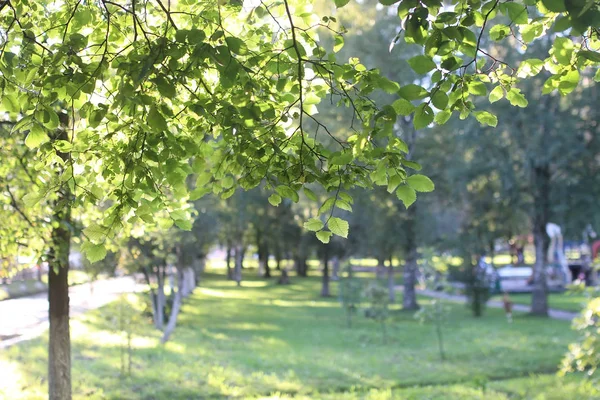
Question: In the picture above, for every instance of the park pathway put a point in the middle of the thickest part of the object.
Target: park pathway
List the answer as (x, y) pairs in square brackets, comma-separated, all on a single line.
[(554, 313), (27, 317)]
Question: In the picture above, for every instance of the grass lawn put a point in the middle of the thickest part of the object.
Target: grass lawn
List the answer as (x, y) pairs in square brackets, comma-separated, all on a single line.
[(268, 341), (561, 301)]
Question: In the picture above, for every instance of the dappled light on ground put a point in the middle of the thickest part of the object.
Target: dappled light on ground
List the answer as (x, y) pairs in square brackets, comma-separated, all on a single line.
[(255, 341)]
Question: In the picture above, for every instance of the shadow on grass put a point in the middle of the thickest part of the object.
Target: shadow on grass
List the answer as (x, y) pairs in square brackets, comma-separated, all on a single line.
[(263, 338)]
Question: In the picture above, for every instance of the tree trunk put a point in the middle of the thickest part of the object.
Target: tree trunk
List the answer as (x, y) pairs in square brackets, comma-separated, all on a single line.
[(380, 267), (541, 185), (175, 309), (325, 282), (239, 256), (228, 262), (336, 268), (391, 285), (409, 297), (266, 267), (59, 345), (159, 312), (242, 257)]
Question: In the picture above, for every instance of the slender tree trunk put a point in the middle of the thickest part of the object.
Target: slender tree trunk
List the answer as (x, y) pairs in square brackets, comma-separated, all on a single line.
[(266, 267), (159, 313), (541, 185), (175, 309), (242, 257), (239, 256), (325, 281), (380, 267), (59, 345), (336, 268), (391, 285), (261, 257), (228, 262), (409, 297)]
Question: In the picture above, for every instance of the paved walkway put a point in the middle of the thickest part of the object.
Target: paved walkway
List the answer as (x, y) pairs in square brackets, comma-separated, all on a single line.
[(27, 317), (554, 313)]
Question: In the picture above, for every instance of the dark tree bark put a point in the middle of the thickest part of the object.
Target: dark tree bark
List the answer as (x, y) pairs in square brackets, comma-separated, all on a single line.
[(266, 267), (228, 262), (59, 344), (539, 298), (242, 257), (278, 257), (325, 281)]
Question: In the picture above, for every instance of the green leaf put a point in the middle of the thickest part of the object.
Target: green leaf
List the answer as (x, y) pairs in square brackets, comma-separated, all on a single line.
[(236, 45), (310, 194), (440, 100), (499, 32), (516, 12), (393, 183), (421, 64), (199, 192), (275, 199), (338, 226), (10, 103), (530, 67), (342, 205), (32, 198), (486, 118), (156, 121), (442, 117), (94, 252), (344, 158), (314, 224), (183, 224), (95, 232), (413, 92), (403, 107), (406, 194), (341, 3), (589, 55), (496, 94), (36, 136), (165, 88), (324, 236), (423, 116), (327, 205), (288, 192), (420, 183), (477, 88), (555, 5), (338, 43), (388, 85), (516, 98), (568, 82)]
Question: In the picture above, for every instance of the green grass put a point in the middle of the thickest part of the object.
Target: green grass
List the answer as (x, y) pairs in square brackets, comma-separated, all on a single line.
[(263, 341), (560, 301)]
